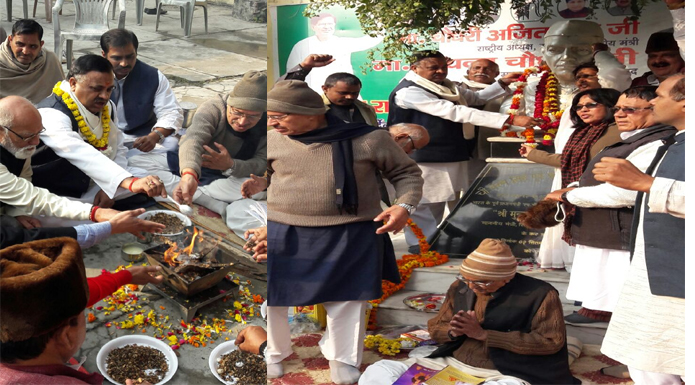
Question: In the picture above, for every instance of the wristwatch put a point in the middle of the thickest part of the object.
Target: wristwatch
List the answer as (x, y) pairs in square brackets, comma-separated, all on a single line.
[(228, 172), (409, 208), (161, 136)]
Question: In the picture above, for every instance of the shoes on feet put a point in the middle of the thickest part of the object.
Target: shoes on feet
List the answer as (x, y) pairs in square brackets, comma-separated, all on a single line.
[(342, 373), (275, 370)]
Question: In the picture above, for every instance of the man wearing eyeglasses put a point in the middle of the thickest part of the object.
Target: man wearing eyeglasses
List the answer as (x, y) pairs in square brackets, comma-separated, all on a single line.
[(494, 318), (147, 110), (20, 126), (224, 145), (647, 330), (602, 223)]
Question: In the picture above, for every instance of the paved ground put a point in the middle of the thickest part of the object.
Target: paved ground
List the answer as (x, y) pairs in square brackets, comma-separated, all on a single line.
[(199, 67)]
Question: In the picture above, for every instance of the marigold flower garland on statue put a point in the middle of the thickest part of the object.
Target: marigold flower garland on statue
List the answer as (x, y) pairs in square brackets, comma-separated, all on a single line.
[(100, 144), (406, 265), (546, 106)]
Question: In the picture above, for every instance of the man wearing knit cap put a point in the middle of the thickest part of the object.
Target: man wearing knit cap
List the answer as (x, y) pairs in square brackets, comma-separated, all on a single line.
[(494, 318), (663, 59), (225, 144), (327, 234)]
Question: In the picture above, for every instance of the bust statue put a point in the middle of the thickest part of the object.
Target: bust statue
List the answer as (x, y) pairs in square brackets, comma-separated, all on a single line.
[(567, 44)]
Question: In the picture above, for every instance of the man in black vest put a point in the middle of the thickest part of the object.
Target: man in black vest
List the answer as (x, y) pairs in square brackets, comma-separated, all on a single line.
[(20, 126), (426, 97), (493, 318), (647, 330), (147, 110), (82, 153)]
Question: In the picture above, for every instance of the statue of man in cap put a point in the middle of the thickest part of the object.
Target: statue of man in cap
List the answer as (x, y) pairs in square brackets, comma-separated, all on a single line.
[(567, 44)]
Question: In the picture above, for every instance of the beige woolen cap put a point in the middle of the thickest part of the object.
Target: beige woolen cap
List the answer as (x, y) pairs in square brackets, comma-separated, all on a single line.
[(491, 261), (250, 92), (295, 97)]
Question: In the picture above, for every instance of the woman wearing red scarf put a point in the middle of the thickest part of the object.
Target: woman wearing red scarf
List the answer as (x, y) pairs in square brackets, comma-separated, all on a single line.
[(594, 129)]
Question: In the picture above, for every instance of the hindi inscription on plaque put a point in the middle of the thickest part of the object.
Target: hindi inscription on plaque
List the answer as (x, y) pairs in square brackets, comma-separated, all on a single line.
[(490, 207)]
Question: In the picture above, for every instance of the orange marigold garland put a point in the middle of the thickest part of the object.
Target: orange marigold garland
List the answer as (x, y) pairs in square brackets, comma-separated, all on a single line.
[(406, 265), (546, 104)]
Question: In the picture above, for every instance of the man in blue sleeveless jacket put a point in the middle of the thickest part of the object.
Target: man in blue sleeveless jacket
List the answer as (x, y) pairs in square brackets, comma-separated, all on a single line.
[(647, 330), (147, 110)]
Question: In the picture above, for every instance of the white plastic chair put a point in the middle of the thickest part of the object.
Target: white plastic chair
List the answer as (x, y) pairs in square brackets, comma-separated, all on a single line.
[(139, 10), (9, 9), (48, 4), (187, 7), (91, 21)]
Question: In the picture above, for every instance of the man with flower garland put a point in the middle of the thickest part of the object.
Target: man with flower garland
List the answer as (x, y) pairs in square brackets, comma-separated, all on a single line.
[(82, 153), (426, 97)]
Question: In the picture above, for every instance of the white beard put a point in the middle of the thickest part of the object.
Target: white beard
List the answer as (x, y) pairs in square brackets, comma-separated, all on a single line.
[(19, 153)]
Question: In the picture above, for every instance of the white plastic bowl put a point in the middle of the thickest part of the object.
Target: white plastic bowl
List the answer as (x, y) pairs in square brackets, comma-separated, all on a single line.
[(219, 351), (119, 342), (186, 221)]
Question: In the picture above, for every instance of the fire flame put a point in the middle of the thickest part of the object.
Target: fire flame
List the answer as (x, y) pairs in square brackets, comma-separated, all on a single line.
[(172, 253)]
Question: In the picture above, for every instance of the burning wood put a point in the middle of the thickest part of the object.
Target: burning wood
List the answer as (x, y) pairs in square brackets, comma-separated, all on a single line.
[(200, 252)]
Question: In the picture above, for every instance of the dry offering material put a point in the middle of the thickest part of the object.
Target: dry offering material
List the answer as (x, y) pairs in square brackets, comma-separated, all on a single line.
[(242, 368), (172, 223), (138, 363)]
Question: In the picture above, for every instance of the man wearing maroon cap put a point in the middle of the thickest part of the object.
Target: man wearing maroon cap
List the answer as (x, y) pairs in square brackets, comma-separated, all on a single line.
[(663, 59)]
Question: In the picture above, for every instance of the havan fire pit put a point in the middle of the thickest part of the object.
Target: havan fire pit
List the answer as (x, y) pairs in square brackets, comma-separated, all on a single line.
[(193, 268)]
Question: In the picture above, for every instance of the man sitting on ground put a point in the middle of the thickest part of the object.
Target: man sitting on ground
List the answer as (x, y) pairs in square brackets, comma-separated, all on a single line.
[(146, 107), (340, 91), (82, 155), (20, 125), (225, 145), (494, 318), (26, 69)]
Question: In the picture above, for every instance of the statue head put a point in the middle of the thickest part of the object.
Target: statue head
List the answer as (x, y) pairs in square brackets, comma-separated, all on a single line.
[(567, 44)]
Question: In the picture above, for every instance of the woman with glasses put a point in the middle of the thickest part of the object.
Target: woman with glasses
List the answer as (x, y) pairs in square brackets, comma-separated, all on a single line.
[(602, 220), (593, 129)]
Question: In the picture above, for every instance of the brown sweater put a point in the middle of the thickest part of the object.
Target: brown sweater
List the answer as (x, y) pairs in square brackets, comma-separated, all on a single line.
[(546, 337), (302, 191), (210, 125), (611, 136)]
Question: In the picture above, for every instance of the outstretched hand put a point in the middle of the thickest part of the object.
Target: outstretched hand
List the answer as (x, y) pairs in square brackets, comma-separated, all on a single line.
[(251, 338), (395, 217), (253, 186), (128, 222), (316, 61)]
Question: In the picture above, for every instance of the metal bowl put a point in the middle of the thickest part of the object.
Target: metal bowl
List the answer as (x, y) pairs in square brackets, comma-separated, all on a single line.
[(186, 221), (133, 252)]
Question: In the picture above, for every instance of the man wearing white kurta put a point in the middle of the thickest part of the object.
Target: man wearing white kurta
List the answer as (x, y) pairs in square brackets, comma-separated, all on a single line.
[(89, 86), (425, 97), (146, 107), (325, 42), (647, 330)]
